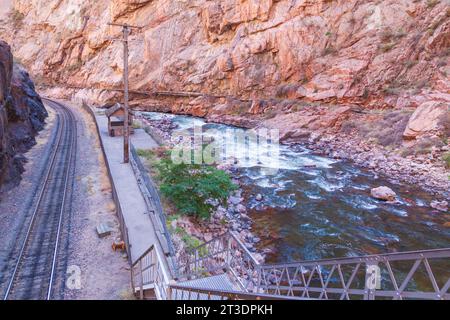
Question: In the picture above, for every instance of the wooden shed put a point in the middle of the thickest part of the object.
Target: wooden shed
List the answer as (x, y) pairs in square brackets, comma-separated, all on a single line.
[(116, 116)]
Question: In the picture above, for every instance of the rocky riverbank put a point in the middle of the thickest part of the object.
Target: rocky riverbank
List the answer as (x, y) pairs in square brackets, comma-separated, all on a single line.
[(426, 170), (232, 217)]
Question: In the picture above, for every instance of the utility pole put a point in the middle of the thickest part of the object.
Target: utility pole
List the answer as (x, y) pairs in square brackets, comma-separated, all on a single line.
[(126, 127)]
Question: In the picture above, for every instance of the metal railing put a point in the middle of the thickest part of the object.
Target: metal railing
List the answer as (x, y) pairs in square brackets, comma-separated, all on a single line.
[(224, 254), (153, 202), (395, 276), (149, 273), (398, 276), (406, 275)]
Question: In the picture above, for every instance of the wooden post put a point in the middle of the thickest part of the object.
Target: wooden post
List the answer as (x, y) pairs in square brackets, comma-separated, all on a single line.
[(132, 281), (126, 135)]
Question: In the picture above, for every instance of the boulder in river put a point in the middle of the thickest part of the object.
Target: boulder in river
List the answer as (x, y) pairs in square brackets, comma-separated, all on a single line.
[(439, 205), (383, 193)]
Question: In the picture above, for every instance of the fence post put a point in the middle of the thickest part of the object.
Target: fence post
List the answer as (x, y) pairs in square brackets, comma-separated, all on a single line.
[(196, 261), (132, 280), (258, 284), (141, 294), (169, 290), (228, 261)]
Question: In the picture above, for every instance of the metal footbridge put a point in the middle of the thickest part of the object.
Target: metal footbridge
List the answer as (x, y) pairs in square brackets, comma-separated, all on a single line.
[(223, 269)]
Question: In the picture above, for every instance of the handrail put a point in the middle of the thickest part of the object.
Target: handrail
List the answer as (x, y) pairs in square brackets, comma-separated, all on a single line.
[(224, 235), (244, 248), (152, 200), (391, 275), (320, 279), (395, 256), (224, 254), (143, 255), (149, 271)]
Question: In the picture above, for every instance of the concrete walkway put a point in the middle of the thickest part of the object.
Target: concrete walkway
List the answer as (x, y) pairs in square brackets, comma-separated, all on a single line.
[(141, 233)]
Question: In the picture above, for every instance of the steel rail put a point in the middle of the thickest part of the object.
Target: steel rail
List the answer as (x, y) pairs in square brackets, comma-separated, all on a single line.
[(33, 217), (58, 232), (62, 123)]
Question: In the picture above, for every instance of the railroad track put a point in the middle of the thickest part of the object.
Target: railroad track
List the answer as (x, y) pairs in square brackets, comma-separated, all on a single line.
[(35, 260)]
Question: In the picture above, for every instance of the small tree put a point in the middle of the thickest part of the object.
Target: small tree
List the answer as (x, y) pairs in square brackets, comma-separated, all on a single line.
[(17, 18), (191, 187)]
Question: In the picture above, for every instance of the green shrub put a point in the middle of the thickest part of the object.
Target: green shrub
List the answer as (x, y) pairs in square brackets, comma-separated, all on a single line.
[(386, 47), (446, 159), (17, 18), (145, 153), (432, 3), (330, 50), (75, 67), (411, 63), (190, 186)]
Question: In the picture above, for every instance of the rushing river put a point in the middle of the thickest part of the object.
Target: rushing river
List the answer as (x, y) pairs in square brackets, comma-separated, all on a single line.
[(314, 207)]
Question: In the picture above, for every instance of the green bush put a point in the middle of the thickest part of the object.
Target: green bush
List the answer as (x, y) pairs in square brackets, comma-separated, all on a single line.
[(17, 18), (432, 3), (190, 186), (446, 158), (145, 153)]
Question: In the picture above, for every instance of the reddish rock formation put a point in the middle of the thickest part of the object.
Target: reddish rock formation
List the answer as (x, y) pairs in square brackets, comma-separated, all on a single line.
[(426, 118), (328, 51), (302, 66), (22, 115)]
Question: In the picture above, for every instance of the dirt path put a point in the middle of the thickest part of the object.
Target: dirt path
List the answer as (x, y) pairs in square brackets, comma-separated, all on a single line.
[(104, 273)]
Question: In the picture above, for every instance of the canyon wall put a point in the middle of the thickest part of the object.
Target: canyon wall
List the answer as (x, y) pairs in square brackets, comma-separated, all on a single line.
[(254, 60), (22, 115)]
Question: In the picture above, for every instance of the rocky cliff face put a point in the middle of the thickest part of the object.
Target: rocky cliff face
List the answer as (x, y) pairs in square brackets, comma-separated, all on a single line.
[(302, 66), (365, 52), (22, 115)]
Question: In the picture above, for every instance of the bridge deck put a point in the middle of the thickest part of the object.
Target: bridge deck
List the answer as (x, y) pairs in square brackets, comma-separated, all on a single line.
[(220, 282)]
